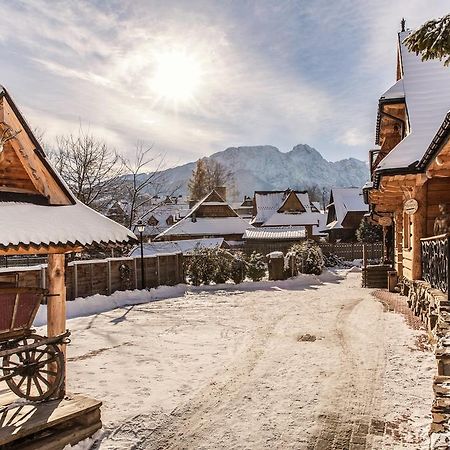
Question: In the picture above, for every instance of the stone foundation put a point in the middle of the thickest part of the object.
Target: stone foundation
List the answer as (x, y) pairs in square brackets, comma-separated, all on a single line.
[(433, 307)]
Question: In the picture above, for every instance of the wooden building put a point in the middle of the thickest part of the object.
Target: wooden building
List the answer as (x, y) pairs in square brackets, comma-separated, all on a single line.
[(211, 217), (345, 211), (40, 215), (410, 171), (287, 209)]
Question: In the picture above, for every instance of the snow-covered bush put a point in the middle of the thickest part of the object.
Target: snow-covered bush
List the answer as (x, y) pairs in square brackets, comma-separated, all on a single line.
[(238, 268), (256, 266), (221, 260), (201, 266), (332, 260), (309, 257)]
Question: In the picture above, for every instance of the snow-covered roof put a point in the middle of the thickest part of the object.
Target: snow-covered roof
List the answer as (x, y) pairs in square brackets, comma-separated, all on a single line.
[(49, 215), (186, 246), (206, 226), (396, 91), (28, 223), (268, 203), (346, 200), (194, 225), (427, 96), (287, 219), (275, 233)]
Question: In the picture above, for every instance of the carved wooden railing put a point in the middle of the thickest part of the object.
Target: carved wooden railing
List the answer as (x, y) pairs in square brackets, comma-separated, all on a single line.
[(435, 261)]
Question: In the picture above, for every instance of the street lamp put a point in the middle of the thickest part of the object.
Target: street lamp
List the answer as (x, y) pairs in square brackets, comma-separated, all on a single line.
[(141, 227)]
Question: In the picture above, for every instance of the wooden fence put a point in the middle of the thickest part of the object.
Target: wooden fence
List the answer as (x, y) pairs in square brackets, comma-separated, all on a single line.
[(105, 276), (346, 250), (353, 250)]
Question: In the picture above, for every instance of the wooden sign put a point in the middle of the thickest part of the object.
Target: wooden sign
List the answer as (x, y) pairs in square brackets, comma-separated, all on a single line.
[(411, 206), (385, 221)]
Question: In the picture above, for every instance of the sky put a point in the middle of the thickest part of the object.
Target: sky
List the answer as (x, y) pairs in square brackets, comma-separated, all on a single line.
[(191, 78)]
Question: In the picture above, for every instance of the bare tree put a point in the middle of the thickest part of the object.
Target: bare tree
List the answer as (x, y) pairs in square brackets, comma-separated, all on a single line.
[(139, 179), (90, 168)]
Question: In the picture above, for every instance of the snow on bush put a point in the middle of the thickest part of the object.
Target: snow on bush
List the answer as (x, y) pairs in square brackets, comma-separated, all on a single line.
[(201, 266), (309, 257), (222, 265), (256, 266)]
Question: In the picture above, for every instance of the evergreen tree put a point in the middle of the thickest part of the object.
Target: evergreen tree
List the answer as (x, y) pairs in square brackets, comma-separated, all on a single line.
[(197, 185), (256, 268), (431, 40), (368, 232), (308, 257)]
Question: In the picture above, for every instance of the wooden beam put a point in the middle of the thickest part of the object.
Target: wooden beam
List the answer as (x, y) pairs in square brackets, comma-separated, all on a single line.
[(33, 249), (24, 148), (56, 306)]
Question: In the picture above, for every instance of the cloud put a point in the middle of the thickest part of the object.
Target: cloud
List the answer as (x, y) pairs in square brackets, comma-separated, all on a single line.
[(273, 72)]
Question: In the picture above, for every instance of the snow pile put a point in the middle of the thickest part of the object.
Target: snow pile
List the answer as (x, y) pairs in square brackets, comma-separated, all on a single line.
[(81, 307)]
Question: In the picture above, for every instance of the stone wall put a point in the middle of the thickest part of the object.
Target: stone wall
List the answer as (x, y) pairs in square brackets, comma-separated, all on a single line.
[(433, 307)]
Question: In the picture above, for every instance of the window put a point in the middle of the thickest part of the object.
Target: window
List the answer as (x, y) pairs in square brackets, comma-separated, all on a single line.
[(407, 231)]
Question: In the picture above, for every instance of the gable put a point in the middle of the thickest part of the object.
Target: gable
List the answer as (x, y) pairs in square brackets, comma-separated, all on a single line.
[(292, 204), (24, 169)]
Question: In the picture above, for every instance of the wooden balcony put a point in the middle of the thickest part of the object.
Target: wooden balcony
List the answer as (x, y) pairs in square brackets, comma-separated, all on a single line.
[(435, 262)]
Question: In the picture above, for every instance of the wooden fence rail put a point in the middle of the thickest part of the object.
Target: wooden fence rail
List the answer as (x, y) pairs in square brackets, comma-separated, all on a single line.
[(346, 250), (105, 276)]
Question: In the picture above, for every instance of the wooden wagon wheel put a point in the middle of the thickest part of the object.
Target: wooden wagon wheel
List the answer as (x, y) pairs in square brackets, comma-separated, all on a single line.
[(35, 374)]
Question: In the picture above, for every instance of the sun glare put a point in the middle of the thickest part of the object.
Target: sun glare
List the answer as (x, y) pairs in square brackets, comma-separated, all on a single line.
[(177, 77)]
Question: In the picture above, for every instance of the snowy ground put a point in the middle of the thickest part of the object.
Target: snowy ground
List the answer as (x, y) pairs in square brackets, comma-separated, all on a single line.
[(301, 364)]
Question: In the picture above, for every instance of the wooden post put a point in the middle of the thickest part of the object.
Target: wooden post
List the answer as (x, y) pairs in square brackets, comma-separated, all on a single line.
[(419, 220), (364, 249), (56, 306)]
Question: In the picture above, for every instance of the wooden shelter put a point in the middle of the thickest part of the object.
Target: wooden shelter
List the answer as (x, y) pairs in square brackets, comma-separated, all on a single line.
[(40, 215), (410, 171)]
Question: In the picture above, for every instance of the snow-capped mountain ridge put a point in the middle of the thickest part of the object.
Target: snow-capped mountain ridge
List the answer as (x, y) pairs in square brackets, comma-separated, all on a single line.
[(265, 167)]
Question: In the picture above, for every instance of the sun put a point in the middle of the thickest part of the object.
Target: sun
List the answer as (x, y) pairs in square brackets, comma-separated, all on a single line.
[(177, 76)]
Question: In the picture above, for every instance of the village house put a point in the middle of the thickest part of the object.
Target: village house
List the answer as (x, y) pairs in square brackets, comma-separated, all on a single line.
[(281, 219), (345, 211), (287, 209), (211, 217), (409, 194)]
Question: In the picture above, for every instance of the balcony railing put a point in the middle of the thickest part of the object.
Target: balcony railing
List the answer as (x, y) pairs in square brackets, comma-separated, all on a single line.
[(435, 262)]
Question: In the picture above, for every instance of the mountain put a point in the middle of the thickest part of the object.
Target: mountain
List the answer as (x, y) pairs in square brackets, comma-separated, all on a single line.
[(266, 168)]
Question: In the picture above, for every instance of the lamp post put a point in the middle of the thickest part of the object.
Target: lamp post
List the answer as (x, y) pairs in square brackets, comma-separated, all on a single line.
[(141, 227)]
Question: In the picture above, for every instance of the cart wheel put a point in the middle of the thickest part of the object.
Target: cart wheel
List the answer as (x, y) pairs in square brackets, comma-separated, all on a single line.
[(34, 374)]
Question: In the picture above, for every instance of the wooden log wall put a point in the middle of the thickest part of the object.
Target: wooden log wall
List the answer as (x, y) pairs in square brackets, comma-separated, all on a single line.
[(86, 278)]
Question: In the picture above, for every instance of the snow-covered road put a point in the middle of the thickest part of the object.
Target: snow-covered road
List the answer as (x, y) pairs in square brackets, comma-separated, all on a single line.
[(291, 365)]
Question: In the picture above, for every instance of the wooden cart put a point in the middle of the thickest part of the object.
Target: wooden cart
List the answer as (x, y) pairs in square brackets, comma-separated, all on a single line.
[(33, 366)]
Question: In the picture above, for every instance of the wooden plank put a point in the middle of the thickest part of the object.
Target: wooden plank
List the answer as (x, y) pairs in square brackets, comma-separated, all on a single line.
[(23, 419), (61, 438)]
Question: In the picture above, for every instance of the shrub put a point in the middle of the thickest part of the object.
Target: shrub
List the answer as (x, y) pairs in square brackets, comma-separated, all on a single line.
[(221, 261), (238, 268), (309, 257), (256, 266), (201, 266)]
